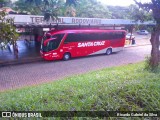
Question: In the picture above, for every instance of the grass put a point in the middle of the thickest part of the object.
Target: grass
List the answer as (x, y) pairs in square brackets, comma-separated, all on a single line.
[(124, 88)]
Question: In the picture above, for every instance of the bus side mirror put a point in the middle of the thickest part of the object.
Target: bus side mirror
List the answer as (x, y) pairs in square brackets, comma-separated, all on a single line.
[(45, 43)]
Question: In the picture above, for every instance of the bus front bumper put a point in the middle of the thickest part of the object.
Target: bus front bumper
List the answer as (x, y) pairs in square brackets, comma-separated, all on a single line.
[(48, 56)]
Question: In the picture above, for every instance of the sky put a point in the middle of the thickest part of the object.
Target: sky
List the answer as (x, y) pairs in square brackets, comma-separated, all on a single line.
[(121, 2), (118, 2), (13, 0)]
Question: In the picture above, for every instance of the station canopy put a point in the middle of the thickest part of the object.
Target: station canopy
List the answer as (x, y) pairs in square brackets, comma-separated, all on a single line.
[(32, 21)]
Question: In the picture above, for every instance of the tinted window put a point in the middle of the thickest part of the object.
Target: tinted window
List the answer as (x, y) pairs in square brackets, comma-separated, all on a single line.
[(74, 37), (53, 43), (77, 37), (118, 35), (58, 36)]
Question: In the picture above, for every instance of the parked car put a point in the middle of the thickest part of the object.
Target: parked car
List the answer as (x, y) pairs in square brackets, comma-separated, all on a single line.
[(143, 32), (129, 35)]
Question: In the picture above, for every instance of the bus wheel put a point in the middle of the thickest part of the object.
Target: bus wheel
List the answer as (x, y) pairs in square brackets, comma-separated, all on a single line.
[(109, 51), (66, 56)]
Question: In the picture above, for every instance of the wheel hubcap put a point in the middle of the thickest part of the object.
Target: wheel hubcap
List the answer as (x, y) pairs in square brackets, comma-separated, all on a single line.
[(66, 56), (108, 51)]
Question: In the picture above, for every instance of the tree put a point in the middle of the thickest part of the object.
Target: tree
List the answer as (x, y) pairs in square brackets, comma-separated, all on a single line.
[(92, 9), (8, 32), (4, 3), (139, 14), (22, 7), (72, 8), (153, 6), (118, 12), (50, 8)]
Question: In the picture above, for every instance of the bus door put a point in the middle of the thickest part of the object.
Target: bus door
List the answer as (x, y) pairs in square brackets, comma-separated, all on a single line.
[(71, 44), (68, 45)]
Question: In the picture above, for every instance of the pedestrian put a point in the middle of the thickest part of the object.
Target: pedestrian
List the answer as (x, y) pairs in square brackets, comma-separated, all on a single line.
[(16, 50), (133, 41), (2, 45), (8, 46), (27, 42)]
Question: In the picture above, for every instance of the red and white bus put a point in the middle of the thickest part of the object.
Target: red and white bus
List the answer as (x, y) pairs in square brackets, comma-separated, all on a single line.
[(66, 44)]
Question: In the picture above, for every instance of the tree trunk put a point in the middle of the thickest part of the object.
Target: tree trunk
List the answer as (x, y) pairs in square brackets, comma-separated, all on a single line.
[(155, 57), (130, 39)]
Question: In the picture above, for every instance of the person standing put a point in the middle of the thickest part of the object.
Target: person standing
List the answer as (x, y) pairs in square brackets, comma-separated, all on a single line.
[(8, 46), (16, 50)]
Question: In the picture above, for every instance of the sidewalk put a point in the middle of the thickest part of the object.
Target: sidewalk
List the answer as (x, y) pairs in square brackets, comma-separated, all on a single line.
[(26, 53), (30, 53), (140, 41)]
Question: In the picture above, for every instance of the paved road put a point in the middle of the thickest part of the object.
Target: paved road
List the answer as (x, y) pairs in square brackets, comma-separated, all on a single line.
[(12, 77)]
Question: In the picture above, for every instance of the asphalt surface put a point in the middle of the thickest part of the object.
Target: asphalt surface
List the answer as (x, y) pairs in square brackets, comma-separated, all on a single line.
[(18, 76)]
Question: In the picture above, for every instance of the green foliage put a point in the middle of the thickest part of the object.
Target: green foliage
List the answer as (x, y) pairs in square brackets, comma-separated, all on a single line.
[(49, 8), (54, 8), (5, 3), (148, 67), (131, 12), (8, 31), (153, 6), (118, 12), (91, 9), (70, 2), (22, 7), (2, 1), (139, 14), (81, 8), (125, 88)]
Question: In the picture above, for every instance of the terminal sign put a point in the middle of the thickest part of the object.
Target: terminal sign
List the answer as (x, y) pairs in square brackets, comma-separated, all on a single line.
[(68, 20)]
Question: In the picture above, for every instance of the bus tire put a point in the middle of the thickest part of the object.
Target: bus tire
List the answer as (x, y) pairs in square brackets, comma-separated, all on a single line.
[(109, 51), (66, 56)]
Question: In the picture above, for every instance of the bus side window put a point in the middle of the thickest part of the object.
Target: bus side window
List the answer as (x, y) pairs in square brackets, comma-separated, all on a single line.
[(74, 37), (68, 38), (53, 44), (105, 36), (109, 36), (80, 37), (115, 35), (58, 36), (120, 35)]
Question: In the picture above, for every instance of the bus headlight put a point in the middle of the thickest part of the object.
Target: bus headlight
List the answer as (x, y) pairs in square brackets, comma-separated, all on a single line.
[(54, 53), (46, 54)]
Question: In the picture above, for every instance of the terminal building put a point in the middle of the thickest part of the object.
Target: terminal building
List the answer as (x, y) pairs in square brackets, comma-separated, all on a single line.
[(32, 26)]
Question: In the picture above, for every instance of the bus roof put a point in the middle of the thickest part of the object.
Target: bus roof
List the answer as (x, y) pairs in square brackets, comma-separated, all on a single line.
[(83, 30)]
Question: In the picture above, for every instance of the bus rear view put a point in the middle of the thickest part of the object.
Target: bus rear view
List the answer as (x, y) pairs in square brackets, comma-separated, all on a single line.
[(64, 44)]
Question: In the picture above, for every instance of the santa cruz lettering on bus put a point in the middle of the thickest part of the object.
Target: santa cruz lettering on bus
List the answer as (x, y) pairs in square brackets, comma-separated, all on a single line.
[(88, 44)]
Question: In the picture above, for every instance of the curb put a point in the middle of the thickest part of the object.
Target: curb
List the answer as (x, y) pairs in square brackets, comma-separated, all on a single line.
[(20, 61), (128, 46)]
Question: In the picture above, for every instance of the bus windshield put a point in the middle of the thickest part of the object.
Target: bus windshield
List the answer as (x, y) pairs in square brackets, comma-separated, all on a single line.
[(52, 43)]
